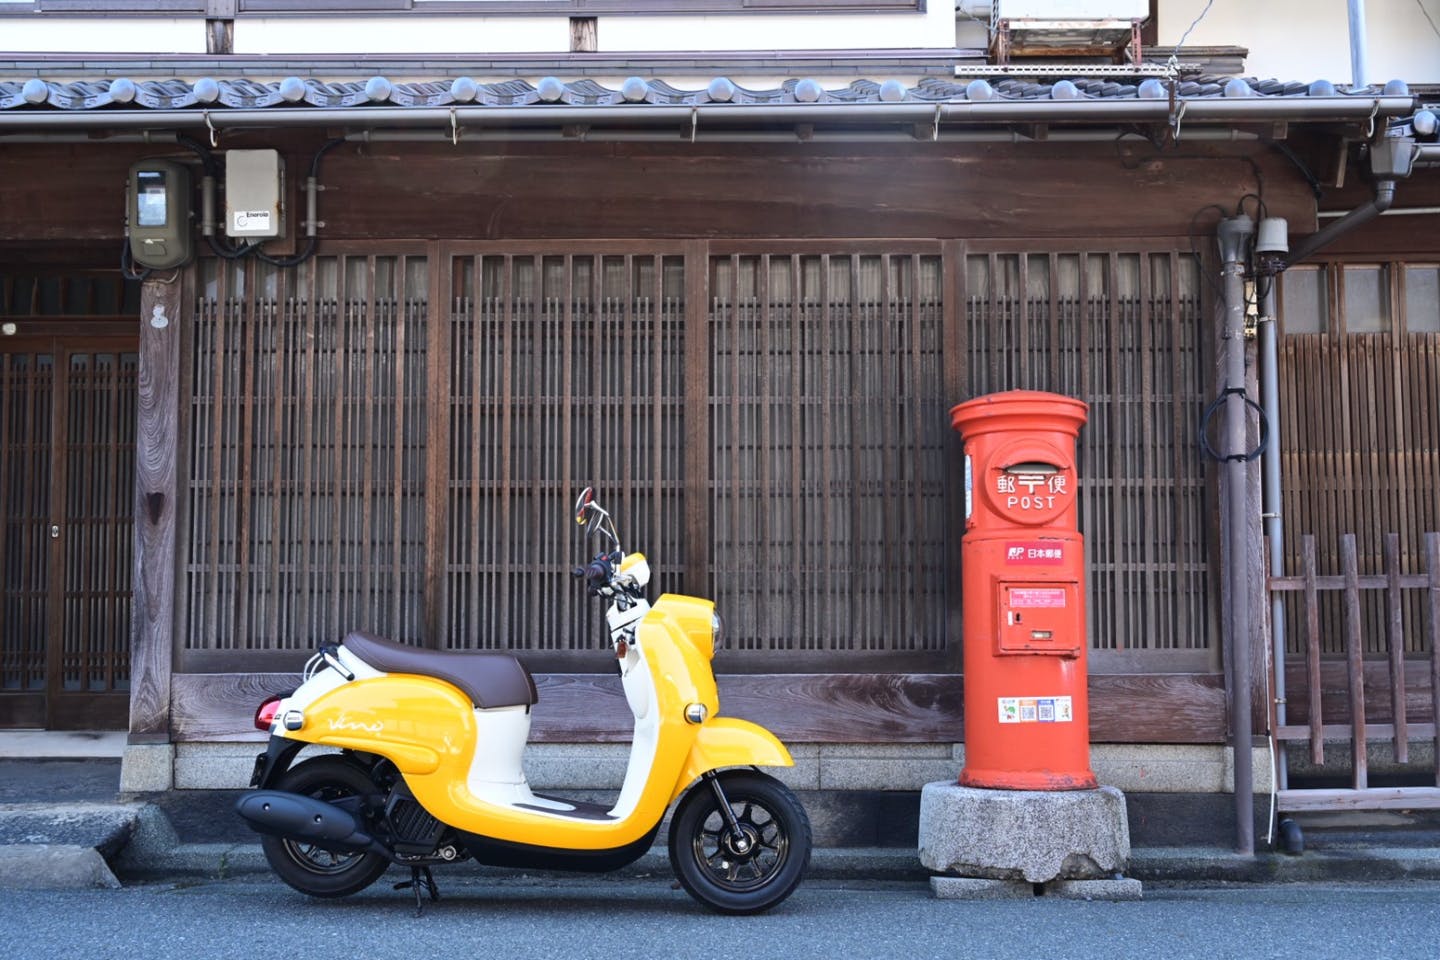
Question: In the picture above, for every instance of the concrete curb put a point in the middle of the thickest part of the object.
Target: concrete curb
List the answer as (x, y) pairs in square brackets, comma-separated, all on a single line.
[(53, 866), (100, 845)]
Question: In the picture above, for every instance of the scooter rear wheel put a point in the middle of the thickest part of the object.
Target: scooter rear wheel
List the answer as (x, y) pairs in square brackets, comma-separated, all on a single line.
[(749, 871), (312, 869)]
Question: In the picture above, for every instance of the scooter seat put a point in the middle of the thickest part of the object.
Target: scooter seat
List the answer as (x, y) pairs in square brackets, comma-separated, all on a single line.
[(488, 679)]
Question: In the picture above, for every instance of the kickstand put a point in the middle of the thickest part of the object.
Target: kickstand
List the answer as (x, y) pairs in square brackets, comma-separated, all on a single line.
[(420, 877)]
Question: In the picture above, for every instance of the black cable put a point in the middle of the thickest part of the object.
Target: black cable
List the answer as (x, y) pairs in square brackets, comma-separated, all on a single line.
[(1289, 154), (127, 264), (1261, 211), (311, 241), (1208, 451)]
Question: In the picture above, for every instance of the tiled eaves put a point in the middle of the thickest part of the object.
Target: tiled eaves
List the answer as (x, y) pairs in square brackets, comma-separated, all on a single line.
[(297, 92)]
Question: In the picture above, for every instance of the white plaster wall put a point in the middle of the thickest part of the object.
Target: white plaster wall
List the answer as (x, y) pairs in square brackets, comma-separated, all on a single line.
[(472, 35), (933, 29), (69, 35), (1310, 39)]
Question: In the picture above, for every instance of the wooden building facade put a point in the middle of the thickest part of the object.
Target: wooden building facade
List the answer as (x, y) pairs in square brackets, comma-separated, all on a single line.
[(750, 349)]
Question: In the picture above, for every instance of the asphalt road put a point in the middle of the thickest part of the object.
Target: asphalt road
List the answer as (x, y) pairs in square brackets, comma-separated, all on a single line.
[(251, 917)]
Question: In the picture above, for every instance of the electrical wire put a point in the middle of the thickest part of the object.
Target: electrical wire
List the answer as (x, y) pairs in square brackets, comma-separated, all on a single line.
[(1175, 54), (127, 264), (1428, 19)]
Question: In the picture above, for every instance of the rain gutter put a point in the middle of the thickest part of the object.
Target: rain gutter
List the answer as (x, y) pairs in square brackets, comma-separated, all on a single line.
[(1198, 110)]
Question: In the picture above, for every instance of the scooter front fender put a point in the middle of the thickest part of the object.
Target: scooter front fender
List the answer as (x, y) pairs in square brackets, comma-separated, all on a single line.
[(728, 742)]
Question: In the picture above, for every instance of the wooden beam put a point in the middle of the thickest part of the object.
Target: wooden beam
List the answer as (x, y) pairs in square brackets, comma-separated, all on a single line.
[(1374, 798), (798, 708), (156, 446)]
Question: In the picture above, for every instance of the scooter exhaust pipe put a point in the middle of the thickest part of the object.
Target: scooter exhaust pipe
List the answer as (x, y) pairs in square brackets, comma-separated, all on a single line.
[(295, 816)]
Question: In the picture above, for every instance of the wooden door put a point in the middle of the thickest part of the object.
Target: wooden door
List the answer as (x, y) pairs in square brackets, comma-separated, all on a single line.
[(67, 438)]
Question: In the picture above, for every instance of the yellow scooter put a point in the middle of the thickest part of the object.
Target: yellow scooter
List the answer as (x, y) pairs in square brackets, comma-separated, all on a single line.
[(430, 765)]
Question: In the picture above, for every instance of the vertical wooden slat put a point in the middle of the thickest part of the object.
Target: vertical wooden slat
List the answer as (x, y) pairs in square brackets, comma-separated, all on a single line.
[(1354, 660), (1312, 652), (697, 420), (367, 409), (479, 313), (1432, 635), (9, 455), (306, 500), (399, 314), (567, 395), (245, 450), (955, 364), (340, 475), (769, 551), (58, 656), (802, 603), (282, 355), (1395, 641)]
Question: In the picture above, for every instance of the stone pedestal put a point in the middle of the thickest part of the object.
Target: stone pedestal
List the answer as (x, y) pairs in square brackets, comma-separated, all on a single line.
[(1034, 836)]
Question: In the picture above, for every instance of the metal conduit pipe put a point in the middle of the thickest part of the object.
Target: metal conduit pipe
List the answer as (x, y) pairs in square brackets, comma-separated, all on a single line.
[(1218, 109), (1234, 237)]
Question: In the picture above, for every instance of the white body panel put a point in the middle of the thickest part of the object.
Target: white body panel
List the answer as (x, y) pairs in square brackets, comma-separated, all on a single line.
[(496, 773)]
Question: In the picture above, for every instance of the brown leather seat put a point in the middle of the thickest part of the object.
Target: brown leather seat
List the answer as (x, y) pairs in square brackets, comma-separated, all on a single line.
[(488, 679)]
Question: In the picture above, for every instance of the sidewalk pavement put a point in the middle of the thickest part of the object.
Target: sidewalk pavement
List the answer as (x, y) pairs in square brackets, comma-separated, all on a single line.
[(64, 824)]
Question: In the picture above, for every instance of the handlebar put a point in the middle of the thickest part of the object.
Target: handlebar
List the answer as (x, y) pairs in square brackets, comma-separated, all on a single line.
[(596, 573)]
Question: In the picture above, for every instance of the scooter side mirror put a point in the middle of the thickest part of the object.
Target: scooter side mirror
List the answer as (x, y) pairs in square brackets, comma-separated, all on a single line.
[(582, 504)]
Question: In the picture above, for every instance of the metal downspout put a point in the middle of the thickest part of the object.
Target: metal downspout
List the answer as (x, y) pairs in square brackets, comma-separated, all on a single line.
[(1271, 497), (1384, 197), (1234, 236)]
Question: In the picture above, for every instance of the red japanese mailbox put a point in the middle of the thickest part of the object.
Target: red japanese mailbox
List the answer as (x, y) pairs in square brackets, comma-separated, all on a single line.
[(1023, 575)]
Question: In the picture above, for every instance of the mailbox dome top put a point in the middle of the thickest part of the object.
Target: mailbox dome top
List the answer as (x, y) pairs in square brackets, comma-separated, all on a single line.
[(1020, 410)]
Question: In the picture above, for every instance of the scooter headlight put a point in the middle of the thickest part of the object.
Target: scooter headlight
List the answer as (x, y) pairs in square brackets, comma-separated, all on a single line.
[(717, 631)]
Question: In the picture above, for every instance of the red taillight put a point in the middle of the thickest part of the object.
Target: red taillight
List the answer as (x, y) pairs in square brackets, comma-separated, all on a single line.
[(265, 713)]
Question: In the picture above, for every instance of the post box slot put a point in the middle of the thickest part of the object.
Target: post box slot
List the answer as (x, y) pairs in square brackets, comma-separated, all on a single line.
[(1032, 466), (1040, 617)]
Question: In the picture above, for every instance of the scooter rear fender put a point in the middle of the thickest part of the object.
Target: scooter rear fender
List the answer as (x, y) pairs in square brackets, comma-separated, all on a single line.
[(729, 742)]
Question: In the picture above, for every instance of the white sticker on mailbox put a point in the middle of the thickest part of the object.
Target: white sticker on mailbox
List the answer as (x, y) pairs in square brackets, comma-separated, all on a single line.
[(1036, 710)]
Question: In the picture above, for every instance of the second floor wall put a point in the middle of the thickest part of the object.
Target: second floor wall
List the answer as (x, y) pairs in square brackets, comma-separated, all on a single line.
[(1286, 39)]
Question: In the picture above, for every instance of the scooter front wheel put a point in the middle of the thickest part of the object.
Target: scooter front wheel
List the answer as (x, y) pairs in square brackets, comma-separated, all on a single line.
[(310, 868), (745, 861)]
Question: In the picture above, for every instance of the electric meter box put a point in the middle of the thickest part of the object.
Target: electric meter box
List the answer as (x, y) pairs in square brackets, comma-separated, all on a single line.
[(157, 214), (254, 191)]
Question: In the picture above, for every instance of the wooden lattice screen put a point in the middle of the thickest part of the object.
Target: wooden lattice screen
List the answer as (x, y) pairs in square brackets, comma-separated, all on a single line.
[(26, 408), (770, 426), (828, 432), (307, 441), (1126, 333), (67, 459), (565, 371), (98, 525), (1360, 410)]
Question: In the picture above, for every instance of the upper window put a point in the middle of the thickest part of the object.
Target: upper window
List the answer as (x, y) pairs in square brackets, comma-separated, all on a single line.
[(1361, 298)]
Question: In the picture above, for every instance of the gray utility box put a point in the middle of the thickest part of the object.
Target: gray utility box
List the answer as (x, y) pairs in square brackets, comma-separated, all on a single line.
[(254, 195)]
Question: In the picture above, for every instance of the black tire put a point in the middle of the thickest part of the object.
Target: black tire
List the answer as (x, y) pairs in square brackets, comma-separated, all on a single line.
[(748, 879), (311, 869)]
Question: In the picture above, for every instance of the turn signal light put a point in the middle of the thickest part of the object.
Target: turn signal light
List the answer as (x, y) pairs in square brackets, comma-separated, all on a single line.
[(265, 713)]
